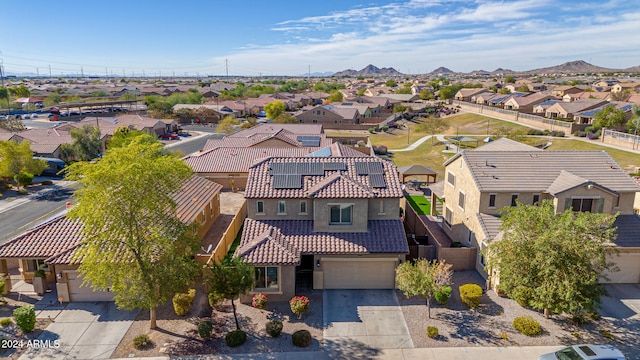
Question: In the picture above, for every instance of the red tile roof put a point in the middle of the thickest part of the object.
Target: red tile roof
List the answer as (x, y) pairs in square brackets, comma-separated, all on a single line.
[(333, 184), (237, 160), (281, 242)]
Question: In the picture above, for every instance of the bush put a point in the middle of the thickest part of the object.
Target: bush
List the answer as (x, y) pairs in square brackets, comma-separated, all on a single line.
[(22, 192), (141, 341), (522, 295), (607, 334), (589, 129), (259, 301), (385, 128), (204, 329), (432, 332), (299, 305), (371, 130), (6, 322), (235, 338), (535, 132), (40, 273), (380, 150), (274, 328), (442, 296), (25, 317), (557, 133), (527, 325), (47, 182), (580, 134), (471, 294), (182, 302), (215, 300), (301, 338), (24, 179), (546, 132)]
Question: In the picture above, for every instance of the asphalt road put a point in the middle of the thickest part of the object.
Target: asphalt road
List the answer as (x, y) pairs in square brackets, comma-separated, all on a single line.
[(188, 145)]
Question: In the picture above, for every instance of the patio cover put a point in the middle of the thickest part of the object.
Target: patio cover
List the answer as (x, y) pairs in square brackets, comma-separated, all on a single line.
[(418, 170), (463, 139)]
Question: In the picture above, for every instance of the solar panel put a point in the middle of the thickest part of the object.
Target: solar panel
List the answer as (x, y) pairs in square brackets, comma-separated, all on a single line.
[(287, 182), (277, 168), (332, 166), (366, 168), (377, 181), (362, 168), (309, 140), (375, 168)]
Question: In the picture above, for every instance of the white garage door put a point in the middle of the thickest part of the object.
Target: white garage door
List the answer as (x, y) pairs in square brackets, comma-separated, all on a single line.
[(362, 274), (629, 265), (85, 293)]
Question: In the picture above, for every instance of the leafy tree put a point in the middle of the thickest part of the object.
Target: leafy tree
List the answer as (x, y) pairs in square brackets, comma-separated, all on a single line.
[(4, 94), (399, 108), (449, 92), (249, 123), (68, 152), (432, 126), (12, 125), (285, 119), (128, 96), (609, 117), (426, 94), (404, 90), (335, 96), (634, 122), (391, 83), (523, 88), (19, 91), (423, 278), (53, 99), (227, 125), (99, 93), (275, 109), (229, 280), (86, 141), (510, 79), (123, 136), (134, 244), (620, 95), (505, 91), (362, 91), (23, 179), (18, 157), (550, 261)]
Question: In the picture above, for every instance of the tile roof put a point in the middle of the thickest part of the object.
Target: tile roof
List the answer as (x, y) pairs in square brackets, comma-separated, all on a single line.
[(334, 183), (194, 196), (47, 136), (490, 225), (506, 144), (298, 129), (628, 230), (281, 242), (535, 171), (234, 160)]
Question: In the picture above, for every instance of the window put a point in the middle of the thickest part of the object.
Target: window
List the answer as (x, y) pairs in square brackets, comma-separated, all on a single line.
[(451, 178), (448, 217), (582, 205), (340, 214), (314, 121), (492, 200), (266, 277), (211, 207), (303, 206), (204, 215), (514, 197), (461, 200), (260, 207), (33, 265), (536, 199), (282, 207), (381, 210)]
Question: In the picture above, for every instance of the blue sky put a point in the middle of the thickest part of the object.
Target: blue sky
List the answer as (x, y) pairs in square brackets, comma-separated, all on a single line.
[(287, 37)]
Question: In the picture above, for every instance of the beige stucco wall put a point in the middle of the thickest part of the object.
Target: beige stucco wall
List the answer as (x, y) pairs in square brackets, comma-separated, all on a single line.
[(359, 215), (292, 207), (287, 287), (224, 179), (390, 209), (625, 203), (324, 117)]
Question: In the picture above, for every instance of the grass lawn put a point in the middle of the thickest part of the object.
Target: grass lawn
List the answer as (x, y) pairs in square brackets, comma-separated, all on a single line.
[(425, 154), (627, 160), (420, 204)]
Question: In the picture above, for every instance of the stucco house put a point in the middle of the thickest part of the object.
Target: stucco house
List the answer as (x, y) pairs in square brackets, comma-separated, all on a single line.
[(328, 114), (567, 110), (329, 222), (50, 246), (525, 104), (480, 182)]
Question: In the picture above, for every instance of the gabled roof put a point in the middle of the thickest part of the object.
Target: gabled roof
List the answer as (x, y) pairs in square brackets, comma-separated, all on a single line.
[(416, 170), (281, 242), (238, 159), (335, 185), (506, 144), (490, 225)]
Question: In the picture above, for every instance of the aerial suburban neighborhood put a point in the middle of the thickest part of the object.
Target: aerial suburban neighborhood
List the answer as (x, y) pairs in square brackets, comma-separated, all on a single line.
[(222, 204)]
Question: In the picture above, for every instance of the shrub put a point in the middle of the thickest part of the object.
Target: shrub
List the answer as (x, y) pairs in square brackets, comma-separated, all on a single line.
[(589, 129), (522, 295), (274, 328), (25, 317), (607, 334), (299, 305), (24, 179), (22, 192), (580, 134), (204, 329), (535, 132), (40, 273), (385, 128), (215, 299), (557, 133), (432, 332), (580, 318), (301, 338), (527, 325), (235, 338), (141, 341), (442, 296), (47, 182), (380, 150), (503, 335), (471, 294), (6, 322), (182, 302), (576, 335), (371, 130), (259, 301)]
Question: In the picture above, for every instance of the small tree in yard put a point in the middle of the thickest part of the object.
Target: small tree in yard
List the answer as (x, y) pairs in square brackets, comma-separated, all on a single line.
[(423, 278), (23, 179), (230, 280)]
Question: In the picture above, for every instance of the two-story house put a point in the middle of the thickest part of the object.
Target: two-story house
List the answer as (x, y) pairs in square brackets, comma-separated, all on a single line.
[(480, 182), (334, 221)]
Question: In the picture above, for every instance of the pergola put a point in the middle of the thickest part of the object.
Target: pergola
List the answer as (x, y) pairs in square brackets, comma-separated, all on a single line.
[(418, 170), (459, 140)]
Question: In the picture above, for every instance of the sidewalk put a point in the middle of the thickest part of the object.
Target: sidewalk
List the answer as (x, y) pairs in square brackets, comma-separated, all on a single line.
[(466, 353)]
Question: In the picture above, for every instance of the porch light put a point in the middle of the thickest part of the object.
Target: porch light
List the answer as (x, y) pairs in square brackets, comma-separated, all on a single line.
[(318, 263), (59, 276)]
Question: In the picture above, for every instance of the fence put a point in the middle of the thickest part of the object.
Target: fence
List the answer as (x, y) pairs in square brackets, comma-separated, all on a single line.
[(229, 235), (621, 139)]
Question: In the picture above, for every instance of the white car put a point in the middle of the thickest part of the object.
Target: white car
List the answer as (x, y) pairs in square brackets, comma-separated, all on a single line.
[(585, 352)]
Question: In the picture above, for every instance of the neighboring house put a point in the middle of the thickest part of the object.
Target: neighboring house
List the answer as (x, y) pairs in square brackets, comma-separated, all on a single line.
[(481, 182), (587, 117), (326, 222), (563, 90), (567, 110), (275, 138), (626, 86), (587, 95), (466, 94), (525, 104), (50, 246), (326, 114), (543, 106)]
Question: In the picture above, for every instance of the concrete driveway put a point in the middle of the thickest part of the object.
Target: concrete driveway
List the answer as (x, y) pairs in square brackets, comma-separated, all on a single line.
[(83, 330), (360, 323), (623, 301)]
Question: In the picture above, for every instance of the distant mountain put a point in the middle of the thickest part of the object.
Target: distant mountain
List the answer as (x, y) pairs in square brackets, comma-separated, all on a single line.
[(572, 67), (369, 71), (441, 70)]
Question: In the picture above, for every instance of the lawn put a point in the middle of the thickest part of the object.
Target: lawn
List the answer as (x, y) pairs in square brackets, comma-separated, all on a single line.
[(420, 204)]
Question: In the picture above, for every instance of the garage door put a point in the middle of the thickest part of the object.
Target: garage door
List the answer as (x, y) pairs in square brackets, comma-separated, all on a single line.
[(629, 265), (362, 274), (85, 293)]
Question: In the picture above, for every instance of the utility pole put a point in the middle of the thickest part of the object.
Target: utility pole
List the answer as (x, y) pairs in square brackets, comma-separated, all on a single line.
[(50, 71), (82, 71), (38, 72), (106, 72), (226, 66)]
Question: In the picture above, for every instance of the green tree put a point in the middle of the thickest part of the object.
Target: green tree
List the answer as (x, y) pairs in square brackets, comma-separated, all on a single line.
[(523, 88), (18, 157), (621, 95), (53, 99), (550, 261), (4, 94), (510, 79), (404, 90), (634, 122), (128, 96), (249, 123), (285, 119), (449, 92), (335, 96), (609, 117), (86, 141), (423, 278), (275, 109), (68, 152), (362, 91), (23, 179), (391, 83), (19, 91), (123, 136), (230, 280), (399, 108), (135, 244), (426, 94), (227, 125), (504, 91)]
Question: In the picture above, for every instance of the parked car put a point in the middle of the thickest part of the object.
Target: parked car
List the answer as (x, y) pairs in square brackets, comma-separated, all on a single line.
[(34, 116), (169, 136), (585, 352), (26, 117)]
